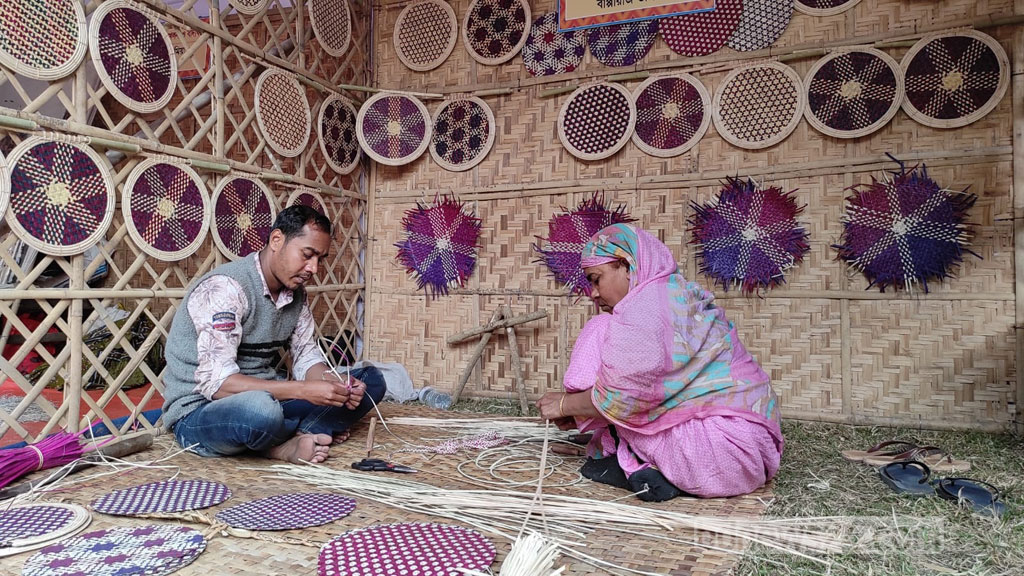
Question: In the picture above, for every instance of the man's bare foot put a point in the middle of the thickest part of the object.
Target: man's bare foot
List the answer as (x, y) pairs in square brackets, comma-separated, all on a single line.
[(303, 448), (341, 437)]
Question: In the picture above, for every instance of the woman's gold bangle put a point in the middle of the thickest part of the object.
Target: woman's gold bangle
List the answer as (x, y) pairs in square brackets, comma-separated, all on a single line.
[(560, 402)]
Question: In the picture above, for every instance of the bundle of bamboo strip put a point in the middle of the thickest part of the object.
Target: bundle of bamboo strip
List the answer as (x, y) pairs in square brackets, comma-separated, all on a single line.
[(530, 556), (568, 520)]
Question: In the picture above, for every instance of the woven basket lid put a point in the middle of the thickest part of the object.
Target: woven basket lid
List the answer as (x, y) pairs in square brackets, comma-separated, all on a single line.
[(141, 549), (336, 127), (702, 33), (332, 25), (282, 112), (825, 7), (548, 51), (44, 39), (393, 129), (29, 526), (954, 79), (495, 30), (672, 114), (759, 105), (854, 92), (425, 34), (306, 196), (243, 214), (463, 133), (166, 209), (288, 511), (596, 121), (762, 23), (5, 185), (412, 548), (249, 7), (623, 44), (133, 56), (62, 196)]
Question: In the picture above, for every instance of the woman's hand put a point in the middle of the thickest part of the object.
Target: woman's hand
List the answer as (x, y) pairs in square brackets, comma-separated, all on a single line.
[(564, 424), (550, 405)]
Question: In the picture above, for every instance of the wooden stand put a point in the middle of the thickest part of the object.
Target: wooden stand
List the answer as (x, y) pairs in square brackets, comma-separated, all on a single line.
[(502, 319)]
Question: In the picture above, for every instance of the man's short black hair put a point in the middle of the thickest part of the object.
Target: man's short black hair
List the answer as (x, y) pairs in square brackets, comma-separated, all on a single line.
[(291, 220)]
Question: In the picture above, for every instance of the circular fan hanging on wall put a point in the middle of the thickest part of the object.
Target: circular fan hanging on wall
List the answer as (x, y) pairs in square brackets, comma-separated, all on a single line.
[(852, 93), (243, 213), (702, 33), (463, 133), (282, 112), (393, 129), (440, 245), (624, 44), (249, 7), (288, 511), (954, 79), (166, 209), (336, 127), (672, 114), (548, 51), (596, 121), (408, 548), (332, 25), (748, 236), (425, 34), (569, 232), (45, 40), (495, 30), (762, 23), (306, 196), (152, 550), (133, 56), (905, 229), (30, 526), (759, 105), (825, 7), (62, 196)]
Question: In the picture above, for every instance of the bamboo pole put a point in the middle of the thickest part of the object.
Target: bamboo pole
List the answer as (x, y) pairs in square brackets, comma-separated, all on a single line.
[(474, 356), (216, 99), (496, 325), (517, 364), (1017, 191)]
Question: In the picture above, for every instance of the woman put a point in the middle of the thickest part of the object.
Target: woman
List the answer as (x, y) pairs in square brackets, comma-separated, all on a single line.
[(675, 402)]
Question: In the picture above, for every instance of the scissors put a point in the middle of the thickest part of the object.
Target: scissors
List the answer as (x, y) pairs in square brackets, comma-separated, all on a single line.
[(378, 465)]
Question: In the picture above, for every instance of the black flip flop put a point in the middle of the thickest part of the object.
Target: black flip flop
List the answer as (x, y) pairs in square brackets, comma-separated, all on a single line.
[(979, 496), (907, 477)]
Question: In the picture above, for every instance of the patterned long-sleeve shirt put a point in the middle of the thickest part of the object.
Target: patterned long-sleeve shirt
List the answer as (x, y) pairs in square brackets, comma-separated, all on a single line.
[(214, 306)]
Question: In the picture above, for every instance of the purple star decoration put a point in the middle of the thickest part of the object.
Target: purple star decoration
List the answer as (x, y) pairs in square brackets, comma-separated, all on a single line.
[(749, 236), (569, 232), (905, 229), (440, 246)]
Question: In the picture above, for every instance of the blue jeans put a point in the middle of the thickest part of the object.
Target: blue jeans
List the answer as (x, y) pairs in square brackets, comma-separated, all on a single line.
[(255, 421)]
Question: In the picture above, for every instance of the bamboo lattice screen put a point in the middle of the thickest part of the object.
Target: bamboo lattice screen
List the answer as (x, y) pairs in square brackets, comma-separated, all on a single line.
[(210, 122)]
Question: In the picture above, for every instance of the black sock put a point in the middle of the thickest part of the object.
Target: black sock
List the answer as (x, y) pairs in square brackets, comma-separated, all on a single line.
[(605, 471), (652, 486)]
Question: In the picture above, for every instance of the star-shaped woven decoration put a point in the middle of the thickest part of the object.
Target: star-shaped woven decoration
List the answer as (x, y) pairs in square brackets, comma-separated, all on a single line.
[(905, 229), (749, 235), (440, 246), (569, 232)]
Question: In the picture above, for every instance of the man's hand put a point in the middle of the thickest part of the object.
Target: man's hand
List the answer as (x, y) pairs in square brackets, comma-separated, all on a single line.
[(328, 392), (354, 394)]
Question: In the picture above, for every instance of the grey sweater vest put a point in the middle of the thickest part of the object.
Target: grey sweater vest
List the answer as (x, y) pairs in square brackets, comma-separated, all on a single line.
[(265, 329)]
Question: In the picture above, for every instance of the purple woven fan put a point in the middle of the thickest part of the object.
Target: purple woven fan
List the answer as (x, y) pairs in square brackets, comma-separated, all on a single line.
[(243, 214), (394, 129), (550, 51), (288, 511), (569, 232), (622, 44), (166, 209), (748, 236), (161, 497), (421, 549), (122, 551), (23, 522), (136, 57), (905, 229), (440, 245)]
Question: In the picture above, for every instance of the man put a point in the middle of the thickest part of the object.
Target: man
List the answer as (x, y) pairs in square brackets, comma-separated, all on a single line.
[(223, 395)]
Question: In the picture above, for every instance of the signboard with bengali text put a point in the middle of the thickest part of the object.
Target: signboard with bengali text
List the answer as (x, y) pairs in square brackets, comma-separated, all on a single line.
[(575, 14)]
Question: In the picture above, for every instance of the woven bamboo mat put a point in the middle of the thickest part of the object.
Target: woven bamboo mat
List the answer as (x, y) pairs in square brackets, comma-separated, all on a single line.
[(236, 556)]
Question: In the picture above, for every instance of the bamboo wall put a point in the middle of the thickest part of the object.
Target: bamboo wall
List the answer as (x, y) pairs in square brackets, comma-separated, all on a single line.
[(223, 131), (835, 351)]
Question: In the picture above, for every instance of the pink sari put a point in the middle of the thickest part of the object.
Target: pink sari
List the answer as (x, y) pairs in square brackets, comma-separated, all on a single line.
[(669, 372)]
